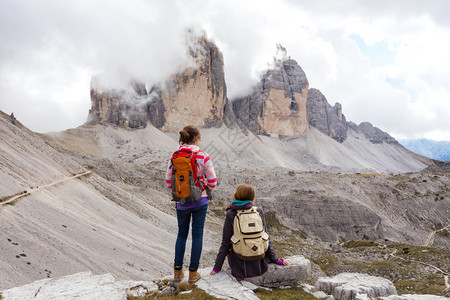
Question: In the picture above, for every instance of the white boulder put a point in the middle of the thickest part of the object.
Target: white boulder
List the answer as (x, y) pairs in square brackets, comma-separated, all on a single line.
[(223, 285), (348, 286), (278, 276), (80, 286)]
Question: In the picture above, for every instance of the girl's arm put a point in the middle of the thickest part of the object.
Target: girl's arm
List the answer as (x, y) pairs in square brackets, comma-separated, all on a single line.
[(169, 176), (273, 258), (226, 243)]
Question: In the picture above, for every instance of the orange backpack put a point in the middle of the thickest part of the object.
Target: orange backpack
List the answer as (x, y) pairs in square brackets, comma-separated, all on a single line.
[(186, 185)]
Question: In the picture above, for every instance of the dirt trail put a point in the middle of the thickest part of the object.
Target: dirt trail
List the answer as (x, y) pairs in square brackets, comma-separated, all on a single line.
[(430, 237), (15, 197)]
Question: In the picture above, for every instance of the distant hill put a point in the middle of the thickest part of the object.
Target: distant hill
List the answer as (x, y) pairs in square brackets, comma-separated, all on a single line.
[(439, 150)]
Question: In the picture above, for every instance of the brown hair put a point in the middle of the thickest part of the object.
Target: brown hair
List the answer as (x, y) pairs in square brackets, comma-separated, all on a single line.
[(188, 135), (244, 192)]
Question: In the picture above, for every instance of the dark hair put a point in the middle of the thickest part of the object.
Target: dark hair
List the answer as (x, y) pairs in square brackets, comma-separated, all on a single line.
[(188, 134), (244, 192)]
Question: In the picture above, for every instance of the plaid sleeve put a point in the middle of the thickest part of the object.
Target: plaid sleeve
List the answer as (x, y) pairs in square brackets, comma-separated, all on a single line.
[(169, 176), (208, 172)]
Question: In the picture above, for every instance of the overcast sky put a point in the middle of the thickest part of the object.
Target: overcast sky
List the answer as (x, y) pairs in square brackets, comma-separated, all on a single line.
[(386, 62)]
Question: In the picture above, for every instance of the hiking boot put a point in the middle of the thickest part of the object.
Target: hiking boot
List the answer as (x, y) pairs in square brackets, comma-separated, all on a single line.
[(194, 276), (178, 275)]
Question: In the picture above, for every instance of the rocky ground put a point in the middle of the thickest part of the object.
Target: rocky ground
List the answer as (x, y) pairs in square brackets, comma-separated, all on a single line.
[(119, 218), (319, 214)]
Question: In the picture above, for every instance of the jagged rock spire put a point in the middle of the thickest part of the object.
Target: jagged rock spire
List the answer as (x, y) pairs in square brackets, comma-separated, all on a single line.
[(277, 106), (196, 96)]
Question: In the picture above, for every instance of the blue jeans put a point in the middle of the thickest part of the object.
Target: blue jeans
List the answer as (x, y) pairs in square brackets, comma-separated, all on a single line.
[(198, 223)]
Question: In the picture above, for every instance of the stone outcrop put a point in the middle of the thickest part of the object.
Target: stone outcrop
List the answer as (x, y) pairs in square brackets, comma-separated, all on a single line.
[(331, 121), (277, 107), (292, 275), (224, 286), (196, 96), (328, 119), (83, 285), (349, 286), (122, 107), (281, 105)]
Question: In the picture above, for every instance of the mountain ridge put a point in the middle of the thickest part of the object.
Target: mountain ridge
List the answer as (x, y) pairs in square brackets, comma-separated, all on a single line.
[(439, 150), (282, 104)]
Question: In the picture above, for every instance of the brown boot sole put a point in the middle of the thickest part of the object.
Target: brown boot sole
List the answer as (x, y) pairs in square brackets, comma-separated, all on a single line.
[(193, 281)]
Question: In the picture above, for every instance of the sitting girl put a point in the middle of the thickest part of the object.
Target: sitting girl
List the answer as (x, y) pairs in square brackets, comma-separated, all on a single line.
[(243, 199)]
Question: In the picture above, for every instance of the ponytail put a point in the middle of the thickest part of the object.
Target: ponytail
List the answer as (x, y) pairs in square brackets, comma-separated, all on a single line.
[(188, 135)]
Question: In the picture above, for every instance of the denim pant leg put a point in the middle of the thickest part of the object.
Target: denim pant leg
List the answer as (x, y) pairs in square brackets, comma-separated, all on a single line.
[(198, 223), (184, 220)]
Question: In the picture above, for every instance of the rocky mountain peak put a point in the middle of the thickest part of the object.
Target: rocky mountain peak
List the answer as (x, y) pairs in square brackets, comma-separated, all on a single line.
[(125, 107), (281, 104), (328, 119), (196, 96), (277, 106), (374, 134)]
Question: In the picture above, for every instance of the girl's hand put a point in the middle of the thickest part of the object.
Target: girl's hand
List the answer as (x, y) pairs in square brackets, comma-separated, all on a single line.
[(213, 272), (286, 263)]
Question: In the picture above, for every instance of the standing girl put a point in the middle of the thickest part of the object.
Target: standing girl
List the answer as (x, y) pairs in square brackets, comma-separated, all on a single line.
[(189, 139)]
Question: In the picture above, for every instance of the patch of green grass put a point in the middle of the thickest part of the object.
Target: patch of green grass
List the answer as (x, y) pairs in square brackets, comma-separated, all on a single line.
[(368, 174), (197, 294), (12, 203), (443, 233), (283, 248), (272, 221), (387, 269), (436, 256), (294, 293), (327, 263), (433, 285), (361, 243)]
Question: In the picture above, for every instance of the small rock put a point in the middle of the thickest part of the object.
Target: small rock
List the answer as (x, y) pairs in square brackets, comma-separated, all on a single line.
[(168, 291), (321, 295), (308, 288)]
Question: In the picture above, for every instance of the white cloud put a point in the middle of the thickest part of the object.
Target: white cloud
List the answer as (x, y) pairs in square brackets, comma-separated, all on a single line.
[(49, 49)]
